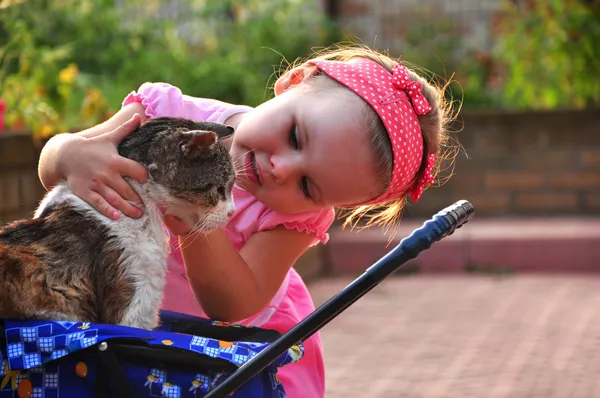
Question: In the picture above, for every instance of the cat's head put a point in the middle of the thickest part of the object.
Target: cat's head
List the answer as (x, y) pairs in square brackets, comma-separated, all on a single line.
[(191, 173)]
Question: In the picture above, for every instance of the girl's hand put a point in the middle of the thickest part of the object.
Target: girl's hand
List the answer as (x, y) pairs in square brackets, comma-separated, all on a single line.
[(94, 171), (176, 225)]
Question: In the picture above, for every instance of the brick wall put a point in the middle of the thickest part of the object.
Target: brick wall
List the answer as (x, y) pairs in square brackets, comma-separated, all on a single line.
[(384, 23), (534, 164), (20, 189)]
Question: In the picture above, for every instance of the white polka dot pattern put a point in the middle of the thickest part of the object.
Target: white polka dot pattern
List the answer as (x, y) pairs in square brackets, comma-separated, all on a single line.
[(397, 100)]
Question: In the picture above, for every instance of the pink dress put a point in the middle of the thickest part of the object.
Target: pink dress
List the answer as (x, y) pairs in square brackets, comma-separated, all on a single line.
[(292, 302)]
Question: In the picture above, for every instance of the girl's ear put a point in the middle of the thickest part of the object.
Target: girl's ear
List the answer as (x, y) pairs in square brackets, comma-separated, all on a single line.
[(294, 77)]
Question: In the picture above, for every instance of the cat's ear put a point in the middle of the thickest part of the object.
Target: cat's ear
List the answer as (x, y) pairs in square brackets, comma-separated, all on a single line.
[(224, 131), (198, 139)]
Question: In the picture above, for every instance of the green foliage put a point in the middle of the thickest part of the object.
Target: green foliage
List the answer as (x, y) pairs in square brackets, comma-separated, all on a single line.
[(551, 51), (546, 55), (436, 48), (69, 63), (41, 89)]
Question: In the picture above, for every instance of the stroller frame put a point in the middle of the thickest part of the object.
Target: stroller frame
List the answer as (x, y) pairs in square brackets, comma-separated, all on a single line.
[(441, 225)]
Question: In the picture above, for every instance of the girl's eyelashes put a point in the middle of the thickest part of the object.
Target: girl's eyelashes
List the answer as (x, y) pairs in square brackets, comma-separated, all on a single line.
[(294, 137), (295, 143), (304, 187)]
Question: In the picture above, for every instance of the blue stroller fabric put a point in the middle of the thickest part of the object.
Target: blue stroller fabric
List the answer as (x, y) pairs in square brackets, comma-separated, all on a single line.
[(184, 357)]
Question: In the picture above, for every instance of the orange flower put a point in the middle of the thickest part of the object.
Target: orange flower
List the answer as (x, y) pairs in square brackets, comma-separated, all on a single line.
[(69, 74), (46, 130)]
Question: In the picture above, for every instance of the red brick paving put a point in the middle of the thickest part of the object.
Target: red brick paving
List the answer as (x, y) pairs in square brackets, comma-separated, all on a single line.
[(428, 336)]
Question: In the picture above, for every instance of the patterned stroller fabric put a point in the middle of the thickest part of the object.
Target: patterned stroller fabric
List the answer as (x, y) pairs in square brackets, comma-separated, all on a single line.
[(184, 357)]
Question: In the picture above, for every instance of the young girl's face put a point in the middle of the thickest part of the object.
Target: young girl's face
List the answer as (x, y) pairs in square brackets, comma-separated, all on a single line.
[(307, 149)]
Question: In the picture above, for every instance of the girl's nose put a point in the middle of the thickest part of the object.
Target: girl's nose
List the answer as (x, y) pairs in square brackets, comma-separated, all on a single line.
[(283, 168)]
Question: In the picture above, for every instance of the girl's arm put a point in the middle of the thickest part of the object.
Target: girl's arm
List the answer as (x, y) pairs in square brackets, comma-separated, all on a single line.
[(90, 163), (231, 285)]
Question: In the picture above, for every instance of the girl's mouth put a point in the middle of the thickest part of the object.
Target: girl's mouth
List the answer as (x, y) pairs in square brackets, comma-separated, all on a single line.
[(251, 163)]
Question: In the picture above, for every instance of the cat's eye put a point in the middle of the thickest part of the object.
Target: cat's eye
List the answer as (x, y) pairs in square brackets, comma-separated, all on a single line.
[(294, 137)]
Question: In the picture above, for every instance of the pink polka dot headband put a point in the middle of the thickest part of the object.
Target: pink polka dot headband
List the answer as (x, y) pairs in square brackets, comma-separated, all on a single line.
[(397, 100)]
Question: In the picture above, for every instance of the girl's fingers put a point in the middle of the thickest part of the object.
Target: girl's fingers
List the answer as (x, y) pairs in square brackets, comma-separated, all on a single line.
[(116, 180), (133, 169), (117, 135), (124, 190), (100, 204), (117, 202)]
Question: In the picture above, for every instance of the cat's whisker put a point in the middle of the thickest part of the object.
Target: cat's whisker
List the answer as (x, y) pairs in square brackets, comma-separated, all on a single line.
[(195, 231), (180, 243), (241, 157), (239, 162), (245, 171), (242, 168), (185, 241), (195, 234)]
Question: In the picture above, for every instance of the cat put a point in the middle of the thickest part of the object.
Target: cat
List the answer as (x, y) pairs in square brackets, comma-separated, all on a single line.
[(70, 262)]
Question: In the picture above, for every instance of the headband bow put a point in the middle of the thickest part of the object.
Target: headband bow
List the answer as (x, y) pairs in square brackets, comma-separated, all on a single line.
[(397, 101), (414, 91)]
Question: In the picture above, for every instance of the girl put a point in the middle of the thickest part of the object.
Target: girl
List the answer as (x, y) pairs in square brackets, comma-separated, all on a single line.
[(348, 128)]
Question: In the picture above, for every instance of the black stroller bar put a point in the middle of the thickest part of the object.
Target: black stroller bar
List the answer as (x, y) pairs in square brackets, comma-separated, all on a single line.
[(438, 227)]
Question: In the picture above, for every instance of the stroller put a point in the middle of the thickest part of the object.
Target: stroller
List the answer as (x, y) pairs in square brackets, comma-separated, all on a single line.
[(185, 356)]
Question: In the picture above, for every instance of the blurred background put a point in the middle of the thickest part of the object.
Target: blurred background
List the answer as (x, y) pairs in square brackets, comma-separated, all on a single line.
[(506, 307)]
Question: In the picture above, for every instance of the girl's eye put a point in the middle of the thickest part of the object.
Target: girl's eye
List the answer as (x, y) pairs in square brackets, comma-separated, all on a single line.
[(296, 145), (304, 187), (294, 137)]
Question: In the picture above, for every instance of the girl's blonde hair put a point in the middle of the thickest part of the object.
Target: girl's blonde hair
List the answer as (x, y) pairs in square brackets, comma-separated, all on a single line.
[(434, 127)]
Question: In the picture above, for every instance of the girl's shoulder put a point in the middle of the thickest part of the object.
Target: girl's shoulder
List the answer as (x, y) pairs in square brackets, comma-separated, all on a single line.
[(163, 99), (252, 216)]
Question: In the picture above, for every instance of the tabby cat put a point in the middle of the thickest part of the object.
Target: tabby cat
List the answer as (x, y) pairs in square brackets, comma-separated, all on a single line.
[(70, 262)]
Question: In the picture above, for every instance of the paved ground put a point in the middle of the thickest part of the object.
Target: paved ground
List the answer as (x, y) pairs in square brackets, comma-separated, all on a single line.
[(466, 336)]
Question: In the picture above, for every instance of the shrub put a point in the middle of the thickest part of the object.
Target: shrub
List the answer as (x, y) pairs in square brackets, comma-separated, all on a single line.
[(67, 64)]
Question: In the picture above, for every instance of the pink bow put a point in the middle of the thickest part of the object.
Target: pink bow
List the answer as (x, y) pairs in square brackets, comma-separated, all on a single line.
[(401, 80), (425, 180)]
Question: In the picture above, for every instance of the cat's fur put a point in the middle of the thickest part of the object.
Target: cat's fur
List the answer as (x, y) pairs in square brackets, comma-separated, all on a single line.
[(70, 262)]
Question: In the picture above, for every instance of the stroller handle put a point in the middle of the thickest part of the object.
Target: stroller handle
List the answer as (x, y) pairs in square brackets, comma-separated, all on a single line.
[(441, 225)]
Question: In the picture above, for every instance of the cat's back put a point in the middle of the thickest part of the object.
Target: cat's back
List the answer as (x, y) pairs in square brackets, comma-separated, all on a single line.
[(64, 230), (52, 265)]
